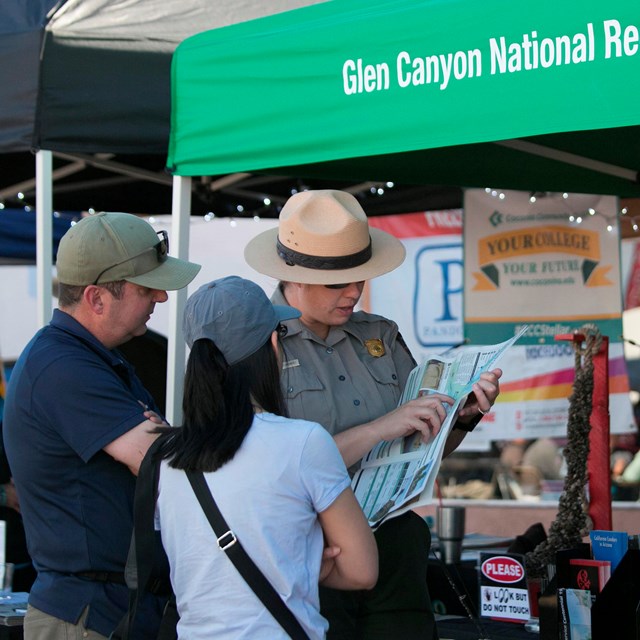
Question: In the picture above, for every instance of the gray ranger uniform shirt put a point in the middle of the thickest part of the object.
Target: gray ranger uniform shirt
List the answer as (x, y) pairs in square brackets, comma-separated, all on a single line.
[(354, 376)]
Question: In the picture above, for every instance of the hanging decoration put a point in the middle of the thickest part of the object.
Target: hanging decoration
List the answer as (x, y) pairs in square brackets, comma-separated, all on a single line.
[(572, 523)]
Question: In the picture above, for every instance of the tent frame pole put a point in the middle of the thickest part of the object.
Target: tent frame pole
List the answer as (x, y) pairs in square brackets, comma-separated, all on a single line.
[(181, 217), (570, 158), (44, 235)]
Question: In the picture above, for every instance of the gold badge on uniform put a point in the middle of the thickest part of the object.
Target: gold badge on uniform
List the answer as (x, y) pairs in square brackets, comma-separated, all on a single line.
[(374, 347)]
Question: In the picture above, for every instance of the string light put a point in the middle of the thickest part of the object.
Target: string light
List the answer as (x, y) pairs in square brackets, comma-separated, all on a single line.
[(268, 209), (577, 218)]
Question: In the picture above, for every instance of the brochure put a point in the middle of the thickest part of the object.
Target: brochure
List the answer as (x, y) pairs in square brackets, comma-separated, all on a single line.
[(609, 545), (574, 614), (589, 575), (399, 475)]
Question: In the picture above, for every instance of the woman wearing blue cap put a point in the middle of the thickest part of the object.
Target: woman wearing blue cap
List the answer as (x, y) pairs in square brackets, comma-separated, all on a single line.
[(346, 369), (280, 483)]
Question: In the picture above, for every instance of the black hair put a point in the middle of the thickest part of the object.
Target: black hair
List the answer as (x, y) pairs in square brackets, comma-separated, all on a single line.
[(219, 403)]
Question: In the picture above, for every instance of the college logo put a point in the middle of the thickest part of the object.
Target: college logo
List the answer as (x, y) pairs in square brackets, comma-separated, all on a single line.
[(496, 218)]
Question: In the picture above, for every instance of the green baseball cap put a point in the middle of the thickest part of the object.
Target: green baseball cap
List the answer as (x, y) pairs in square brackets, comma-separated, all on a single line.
[(106, 247)]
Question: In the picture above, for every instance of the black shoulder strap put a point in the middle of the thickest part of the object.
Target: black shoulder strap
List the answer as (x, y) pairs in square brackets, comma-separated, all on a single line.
[(140, 560), (228, 543)]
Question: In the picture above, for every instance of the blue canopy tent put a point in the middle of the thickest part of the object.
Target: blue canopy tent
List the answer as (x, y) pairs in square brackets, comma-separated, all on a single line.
[(18, 235)]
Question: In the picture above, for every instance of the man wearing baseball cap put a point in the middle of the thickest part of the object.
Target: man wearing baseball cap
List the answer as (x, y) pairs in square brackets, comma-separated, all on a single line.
[(77, 425)]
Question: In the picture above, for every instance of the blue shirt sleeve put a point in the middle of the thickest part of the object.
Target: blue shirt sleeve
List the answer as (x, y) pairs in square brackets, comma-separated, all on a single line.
[(86, 403)]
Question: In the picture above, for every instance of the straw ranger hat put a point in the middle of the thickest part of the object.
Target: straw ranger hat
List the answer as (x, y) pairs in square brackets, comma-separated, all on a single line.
[(323, 237)]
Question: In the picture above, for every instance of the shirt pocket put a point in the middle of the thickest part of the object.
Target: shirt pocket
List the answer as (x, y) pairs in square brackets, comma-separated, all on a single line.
[(383, 371), (307, 397), (297, 380)]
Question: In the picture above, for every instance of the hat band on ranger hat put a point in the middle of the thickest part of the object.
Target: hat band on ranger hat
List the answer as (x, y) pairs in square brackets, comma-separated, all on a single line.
[(293, 258)]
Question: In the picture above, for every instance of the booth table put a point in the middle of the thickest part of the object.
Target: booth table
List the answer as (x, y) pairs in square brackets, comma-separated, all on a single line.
[(13, 608), (461, 628), (454, 623)]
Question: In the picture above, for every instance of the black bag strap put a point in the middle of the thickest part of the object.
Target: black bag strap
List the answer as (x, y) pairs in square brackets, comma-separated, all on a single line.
[(141, 558), (228, 543)]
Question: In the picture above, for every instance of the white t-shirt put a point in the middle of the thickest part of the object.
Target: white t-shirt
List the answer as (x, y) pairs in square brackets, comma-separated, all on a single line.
[(283, 475)]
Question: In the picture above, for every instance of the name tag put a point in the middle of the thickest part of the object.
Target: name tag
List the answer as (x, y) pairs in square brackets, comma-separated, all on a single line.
[(291, 363)]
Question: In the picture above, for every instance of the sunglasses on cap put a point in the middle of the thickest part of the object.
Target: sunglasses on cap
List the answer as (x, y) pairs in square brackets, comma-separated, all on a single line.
[(161, 249), (342, 285)]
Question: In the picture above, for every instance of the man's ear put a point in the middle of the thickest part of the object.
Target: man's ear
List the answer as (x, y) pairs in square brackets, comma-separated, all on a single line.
[(92, 296)]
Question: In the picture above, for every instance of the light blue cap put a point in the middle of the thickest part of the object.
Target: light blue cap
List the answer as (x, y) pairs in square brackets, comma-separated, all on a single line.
[(235, 314)]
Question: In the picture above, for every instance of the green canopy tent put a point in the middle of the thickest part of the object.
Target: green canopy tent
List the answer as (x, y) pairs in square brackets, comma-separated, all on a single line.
[(540, 97), (361, 87)]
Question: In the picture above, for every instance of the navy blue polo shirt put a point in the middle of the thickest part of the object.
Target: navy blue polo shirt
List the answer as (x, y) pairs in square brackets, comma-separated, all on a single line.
[(67, 398)]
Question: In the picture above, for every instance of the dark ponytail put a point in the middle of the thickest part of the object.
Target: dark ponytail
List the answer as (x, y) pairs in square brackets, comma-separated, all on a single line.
[(218, 405)]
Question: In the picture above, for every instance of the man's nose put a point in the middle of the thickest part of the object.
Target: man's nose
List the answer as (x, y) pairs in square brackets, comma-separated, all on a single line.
[(160, 295)]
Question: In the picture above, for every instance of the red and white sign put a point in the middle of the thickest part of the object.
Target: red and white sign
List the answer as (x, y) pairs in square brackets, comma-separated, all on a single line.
[(503, 587), (503, 569)]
